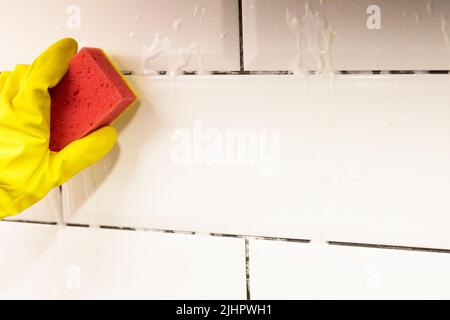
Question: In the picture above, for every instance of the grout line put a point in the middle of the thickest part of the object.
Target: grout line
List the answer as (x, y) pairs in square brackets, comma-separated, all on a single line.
[(286, 72), (247, 267), (241, 36), (439, 71), (77, 225), (389, 247), (118, 228), (392, 72), (32, 222), (282, 239), (252, 237), (181, 232), (247, 238)]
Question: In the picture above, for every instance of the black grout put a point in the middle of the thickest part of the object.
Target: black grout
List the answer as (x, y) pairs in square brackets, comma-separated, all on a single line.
[(30, 221), (117, 228), (241, 36), (76, 225), (389, 247), (245, 237), (286, 72), (282, 239), (247, 268)]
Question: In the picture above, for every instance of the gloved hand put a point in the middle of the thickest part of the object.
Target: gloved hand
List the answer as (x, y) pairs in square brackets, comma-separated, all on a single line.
[(28, 169)]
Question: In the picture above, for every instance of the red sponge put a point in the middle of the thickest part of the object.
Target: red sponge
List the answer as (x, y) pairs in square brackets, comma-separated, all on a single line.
[(91, 95)]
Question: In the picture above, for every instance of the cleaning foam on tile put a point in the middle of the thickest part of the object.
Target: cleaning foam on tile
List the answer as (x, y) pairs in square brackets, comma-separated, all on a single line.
[(313, 31), (178, 57), (91, 95)]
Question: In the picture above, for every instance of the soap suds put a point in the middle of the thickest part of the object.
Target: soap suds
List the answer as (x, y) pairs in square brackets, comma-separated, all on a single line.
[(178, 58), (313, 37), (445, 34), (176, 25), (417, 17), (329, 117), (430, 7), (55, 206), (319, 222)]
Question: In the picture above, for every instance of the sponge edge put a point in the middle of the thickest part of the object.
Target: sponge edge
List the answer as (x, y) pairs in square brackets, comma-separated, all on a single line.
[(92, 94)]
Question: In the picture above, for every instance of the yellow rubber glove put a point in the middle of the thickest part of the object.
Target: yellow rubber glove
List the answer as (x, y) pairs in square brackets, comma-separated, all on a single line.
[(28, 169)]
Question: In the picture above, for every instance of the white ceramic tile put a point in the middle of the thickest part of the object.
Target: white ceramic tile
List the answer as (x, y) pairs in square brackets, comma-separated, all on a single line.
[(48, 209), (30, 265), (413, 34), (122, 28), (144, 265), (363, 159), (48, 262), (283, 270)]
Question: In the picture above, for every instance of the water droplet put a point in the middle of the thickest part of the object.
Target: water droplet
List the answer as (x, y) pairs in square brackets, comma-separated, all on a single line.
[(318, 35), (445, 32), (430, 7), (176, 25), (292, 20), (223, 35), (131, 34), (417, 17)]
